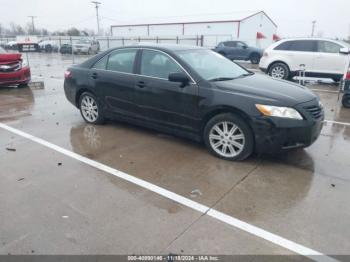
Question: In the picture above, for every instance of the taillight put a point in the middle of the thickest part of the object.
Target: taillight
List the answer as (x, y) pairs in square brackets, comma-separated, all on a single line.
[(67, 74), (347, 77)]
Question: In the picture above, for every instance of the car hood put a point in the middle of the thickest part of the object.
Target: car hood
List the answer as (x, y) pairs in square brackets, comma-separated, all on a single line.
[(261, 87), (6, 58)]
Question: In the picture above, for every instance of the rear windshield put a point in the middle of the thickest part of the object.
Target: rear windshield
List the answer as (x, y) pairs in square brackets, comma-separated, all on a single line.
[(2, 50)]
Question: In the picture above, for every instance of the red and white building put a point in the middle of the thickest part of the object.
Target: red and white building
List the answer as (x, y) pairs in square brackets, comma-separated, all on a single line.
[(255, 28)]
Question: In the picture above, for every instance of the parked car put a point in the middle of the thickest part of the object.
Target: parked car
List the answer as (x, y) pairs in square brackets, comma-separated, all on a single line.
[(13, 69), (66, 49), (196, 93), (48, 46), (86, 46), (319, 57), (238, 50), (11, 45)]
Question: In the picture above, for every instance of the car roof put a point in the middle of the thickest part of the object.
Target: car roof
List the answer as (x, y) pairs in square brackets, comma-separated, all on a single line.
[(308, 38), (164, 47)]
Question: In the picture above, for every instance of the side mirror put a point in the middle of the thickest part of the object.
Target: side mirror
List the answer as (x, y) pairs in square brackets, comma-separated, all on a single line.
[(179, 78), (245, 47), (344, 51)]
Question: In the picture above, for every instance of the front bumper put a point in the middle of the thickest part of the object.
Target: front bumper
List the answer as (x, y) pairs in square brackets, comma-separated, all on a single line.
[(21, 76), (274, 134)]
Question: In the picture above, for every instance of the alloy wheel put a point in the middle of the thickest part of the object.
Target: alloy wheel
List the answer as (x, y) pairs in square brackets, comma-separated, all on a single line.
[(278, 72), (227, 139), (89, 108)]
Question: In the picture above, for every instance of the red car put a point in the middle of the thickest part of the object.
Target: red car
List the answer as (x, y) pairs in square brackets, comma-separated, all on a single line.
[(13, 69)]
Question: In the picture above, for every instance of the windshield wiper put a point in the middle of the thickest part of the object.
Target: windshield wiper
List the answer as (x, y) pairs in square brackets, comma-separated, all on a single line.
[(246, 74), (221, 79)]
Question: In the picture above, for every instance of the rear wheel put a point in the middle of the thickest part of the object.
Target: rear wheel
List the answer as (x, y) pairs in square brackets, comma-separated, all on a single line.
[(255, 59), (279, 71), (346, 100), (90, 109), (229, 137)]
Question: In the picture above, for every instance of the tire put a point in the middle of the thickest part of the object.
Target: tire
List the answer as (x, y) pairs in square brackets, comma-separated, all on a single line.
[(48, 49), (279, 71), (255, 59), (237, 146), (89, 52), (90, 109), (346, 100)]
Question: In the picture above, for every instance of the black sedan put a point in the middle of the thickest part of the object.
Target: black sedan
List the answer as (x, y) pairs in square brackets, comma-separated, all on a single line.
[(196, 93)]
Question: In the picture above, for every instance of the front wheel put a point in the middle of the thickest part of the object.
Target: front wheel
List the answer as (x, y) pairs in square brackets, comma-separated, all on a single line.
[(279, 71), (90, 109), (346, 101), (229, 137)]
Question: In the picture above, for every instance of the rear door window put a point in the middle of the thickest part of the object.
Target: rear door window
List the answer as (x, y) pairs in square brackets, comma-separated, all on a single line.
[(298, 45), (101, 64), (328, 47), (122, 61), (230, 44), (283, 46)]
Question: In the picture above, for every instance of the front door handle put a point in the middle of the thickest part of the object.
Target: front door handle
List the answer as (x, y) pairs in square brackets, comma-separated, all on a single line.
[(141, 84), (94, 75)]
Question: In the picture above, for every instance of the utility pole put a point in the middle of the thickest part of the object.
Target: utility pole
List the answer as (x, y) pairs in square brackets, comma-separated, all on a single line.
[(313, 27), (32, 17), (97, 5)]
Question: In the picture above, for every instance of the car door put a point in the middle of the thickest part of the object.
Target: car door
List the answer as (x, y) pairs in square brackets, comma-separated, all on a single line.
[(113, 79), (301, 53), (242, 51), (231, 50), (329, 60), (161, 101)]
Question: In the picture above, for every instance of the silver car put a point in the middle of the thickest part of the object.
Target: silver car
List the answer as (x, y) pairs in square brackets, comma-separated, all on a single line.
[(86, 46)]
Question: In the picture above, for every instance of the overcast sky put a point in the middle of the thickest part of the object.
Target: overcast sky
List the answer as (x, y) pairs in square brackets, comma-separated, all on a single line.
[(293, 17)]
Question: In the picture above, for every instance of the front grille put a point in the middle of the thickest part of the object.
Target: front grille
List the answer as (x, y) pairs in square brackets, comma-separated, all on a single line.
[(11, 67), (316, 111), (10, 79)]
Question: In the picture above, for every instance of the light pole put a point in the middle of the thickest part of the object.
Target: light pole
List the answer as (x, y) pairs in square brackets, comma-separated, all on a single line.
[(313, 27), (32, 17), (97, 5)]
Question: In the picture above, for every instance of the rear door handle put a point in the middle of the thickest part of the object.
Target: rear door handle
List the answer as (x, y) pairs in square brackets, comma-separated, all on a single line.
[(141, 84), (94, 75)]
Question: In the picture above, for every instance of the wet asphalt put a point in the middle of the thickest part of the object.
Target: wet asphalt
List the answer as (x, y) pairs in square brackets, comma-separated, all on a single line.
[(53, 204)]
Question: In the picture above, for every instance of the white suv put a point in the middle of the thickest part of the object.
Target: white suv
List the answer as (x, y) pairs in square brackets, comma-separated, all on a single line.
[(318, 56)]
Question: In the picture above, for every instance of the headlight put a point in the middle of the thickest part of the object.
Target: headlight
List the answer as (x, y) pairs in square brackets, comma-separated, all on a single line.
[(277, 111), (24, 63)]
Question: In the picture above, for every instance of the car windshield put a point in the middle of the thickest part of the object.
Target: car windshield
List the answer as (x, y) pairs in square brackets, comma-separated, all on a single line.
[(83, 41), (212, 66), (2, 50)]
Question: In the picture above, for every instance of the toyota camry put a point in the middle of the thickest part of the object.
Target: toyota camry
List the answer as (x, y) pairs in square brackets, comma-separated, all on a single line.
[(195, 93)]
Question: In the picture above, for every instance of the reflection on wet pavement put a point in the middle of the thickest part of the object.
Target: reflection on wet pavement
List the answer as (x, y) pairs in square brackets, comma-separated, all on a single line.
[(15, 103)]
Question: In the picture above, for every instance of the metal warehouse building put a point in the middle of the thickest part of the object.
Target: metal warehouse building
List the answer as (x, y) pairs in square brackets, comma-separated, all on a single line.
[(255, 28)]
